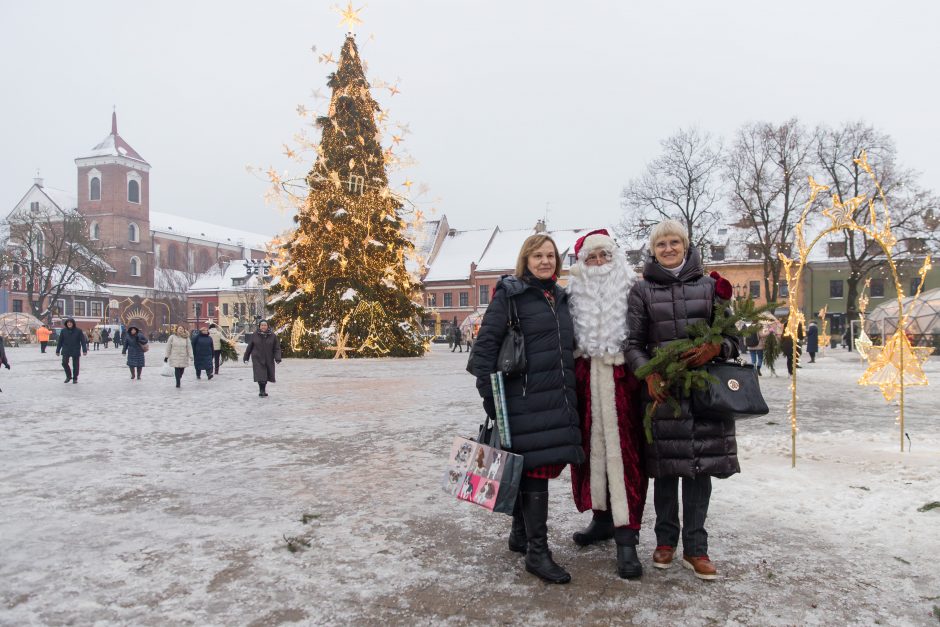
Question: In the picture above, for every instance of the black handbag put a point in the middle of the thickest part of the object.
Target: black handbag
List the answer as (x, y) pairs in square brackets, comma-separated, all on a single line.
[(734, 394), (511, 360)]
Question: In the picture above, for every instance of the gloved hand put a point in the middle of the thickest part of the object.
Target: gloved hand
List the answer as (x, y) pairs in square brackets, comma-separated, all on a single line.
[(277, 361), (656, 387), (701, 355), (245, 360), (165, 359), (489, 406), (7, 366)]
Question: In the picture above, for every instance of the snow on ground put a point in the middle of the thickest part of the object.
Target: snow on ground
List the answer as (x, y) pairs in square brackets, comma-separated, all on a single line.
[(129, 502)]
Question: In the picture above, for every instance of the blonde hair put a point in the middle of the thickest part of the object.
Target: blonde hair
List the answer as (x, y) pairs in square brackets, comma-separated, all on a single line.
[(532, 244), (667, 228)]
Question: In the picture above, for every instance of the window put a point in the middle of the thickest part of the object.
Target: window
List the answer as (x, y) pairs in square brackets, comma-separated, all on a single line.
[(355, 184), (34, 206), (754, 287), (448, 299), (16, 285), (212, 309), (17, 269), (484, 294), (59, 308), (80, 307), (197, 309), (133, 233), (94, 189), (17, 306), (785, 249), (40, 242), (135, 266), (464, 299), (835, 288), (836, 249), (877, 287), (635, 257), (572, 259), (915, 283), (224, 309), (432, 300), (723, 231), (94, 231), (754, 251), (917, 245), (204, 261), (96, 309), (783, 289), (133, 191), (172, 257), (718, 253)]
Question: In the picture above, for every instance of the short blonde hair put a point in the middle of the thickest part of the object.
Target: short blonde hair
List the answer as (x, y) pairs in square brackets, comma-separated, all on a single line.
[(532, 244), (667, 228)]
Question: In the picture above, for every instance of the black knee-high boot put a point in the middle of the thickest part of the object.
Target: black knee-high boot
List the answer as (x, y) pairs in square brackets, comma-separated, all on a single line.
[(628, 562), (139, 370), (538, 559), (261, 388), (599, 529), (518, 541)]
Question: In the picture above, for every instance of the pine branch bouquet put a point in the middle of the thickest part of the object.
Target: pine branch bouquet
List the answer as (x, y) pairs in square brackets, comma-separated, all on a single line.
[(228, 350), (671, 362)]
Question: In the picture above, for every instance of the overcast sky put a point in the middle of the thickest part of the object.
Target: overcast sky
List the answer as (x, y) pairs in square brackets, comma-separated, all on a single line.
[(514, 106)]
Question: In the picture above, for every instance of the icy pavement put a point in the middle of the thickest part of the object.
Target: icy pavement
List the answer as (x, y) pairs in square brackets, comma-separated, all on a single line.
[(125, 502)]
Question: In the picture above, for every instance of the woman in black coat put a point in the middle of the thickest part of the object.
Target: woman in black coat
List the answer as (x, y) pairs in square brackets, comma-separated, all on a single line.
[(264, 350), (674, 294), (202, 352), (134, 342), (543, 414)]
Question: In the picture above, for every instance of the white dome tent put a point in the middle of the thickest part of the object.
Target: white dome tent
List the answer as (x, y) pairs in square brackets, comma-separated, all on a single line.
[(923, 312), (18, 327)]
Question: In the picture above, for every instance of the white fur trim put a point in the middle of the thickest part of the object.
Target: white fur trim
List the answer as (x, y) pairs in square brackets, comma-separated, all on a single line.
[(606, 456), (595, 241)]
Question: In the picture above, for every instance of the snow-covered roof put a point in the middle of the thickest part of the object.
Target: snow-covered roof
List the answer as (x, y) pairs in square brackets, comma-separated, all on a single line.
[(503, 249), (62, 199), (79, 283), (423, 239), (187, 227), (114, 146), (170, 280), (218, 279), (458, 250)]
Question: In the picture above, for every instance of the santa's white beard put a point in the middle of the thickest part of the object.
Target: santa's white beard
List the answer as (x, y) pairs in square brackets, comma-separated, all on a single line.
[(599, 308)]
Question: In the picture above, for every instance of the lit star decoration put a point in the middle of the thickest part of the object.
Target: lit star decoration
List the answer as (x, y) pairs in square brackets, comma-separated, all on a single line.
[(897, 364), (350, 17)]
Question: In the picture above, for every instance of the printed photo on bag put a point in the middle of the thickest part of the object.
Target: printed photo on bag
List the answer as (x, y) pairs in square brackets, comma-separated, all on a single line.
[(461, 451), (453, 479), (466, 490), (498, 459), (486, 492)]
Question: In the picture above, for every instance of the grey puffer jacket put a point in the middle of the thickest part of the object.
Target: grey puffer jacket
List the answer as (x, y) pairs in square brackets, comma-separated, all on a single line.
[(662, 306)]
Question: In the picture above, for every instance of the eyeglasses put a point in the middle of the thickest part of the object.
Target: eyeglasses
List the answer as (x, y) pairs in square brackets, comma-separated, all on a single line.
[(602, 256)]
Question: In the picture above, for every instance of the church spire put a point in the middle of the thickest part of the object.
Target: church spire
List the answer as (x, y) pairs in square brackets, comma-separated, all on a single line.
[(114, 121)]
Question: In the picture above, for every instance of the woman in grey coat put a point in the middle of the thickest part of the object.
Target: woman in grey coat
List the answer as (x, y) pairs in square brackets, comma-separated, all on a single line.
[(134, 342), (264, 350)]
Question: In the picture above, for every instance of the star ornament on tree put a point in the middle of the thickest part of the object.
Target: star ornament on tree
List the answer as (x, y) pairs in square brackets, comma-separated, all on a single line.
[(342, 347), (349, 16)]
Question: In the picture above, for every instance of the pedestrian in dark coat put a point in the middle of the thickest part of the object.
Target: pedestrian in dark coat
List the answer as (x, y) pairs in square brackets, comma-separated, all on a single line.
[(458, 339), (202, 353), (3, 357), (812, 341), (134, 343), (674, 294), (542, 403), (72, 344), (105, 337), (264, 350)]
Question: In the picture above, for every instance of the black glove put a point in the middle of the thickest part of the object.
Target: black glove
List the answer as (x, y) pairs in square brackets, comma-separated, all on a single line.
[(245, 360), (7, 366), (165, 359), (489, 406), (277, 361)]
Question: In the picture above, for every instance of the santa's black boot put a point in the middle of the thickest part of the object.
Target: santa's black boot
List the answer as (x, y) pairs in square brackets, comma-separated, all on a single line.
[(538, 559), (600, 528), (628, 563), (518, 541)]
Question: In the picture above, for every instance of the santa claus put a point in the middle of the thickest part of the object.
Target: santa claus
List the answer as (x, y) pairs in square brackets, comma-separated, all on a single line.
[(611, 482)]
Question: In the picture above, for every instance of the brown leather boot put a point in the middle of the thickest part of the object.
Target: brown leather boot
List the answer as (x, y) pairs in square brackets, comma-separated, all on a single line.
[(663, 555), (701, 566)]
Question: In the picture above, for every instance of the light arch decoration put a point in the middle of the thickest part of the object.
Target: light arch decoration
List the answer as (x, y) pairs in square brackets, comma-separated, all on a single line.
[(894, 365)]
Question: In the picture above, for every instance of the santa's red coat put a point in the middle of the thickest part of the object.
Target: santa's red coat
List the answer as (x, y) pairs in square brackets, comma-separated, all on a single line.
[(630, 423)]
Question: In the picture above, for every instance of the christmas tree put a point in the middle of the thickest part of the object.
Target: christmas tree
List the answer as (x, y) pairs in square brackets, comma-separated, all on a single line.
[(341, 288)]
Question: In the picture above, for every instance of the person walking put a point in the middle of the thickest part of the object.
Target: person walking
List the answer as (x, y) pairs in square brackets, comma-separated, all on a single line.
[(812, 341), (542, 403), (786, 347), (135, 345), (755, 343), (96, 338), (264, 350), (117, 338), (216, 336), (612, 481), (674, 294), (3, 356), (458, 339), (202, 353), (71, 345), (42, 336), (105, 337), (179, 352)]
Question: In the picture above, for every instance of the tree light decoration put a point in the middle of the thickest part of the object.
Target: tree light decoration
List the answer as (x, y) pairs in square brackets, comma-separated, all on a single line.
[(342, 269), (863, 343), (895, 365)]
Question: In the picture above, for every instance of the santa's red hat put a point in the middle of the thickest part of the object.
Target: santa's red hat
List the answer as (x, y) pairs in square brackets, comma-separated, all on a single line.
[(593, 240)]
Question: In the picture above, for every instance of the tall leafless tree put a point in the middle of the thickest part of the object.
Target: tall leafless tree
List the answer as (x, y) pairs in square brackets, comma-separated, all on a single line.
[(169, 293), (682, 184), (913, 209), (54, 250), (767, 175)]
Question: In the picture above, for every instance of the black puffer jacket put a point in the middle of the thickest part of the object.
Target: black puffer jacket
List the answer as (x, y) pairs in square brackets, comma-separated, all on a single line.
[(72, 341), (661, 308), (543, 414)]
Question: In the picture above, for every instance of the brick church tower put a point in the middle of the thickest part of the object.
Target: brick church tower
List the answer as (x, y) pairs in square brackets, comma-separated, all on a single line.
[(114, 196)]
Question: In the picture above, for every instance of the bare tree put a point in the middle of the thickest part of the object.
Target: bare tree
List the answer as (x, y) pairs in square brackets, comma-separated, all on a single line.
[(682, 184), (169, 292), (913, 218), (766, 169), (54, 250)]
